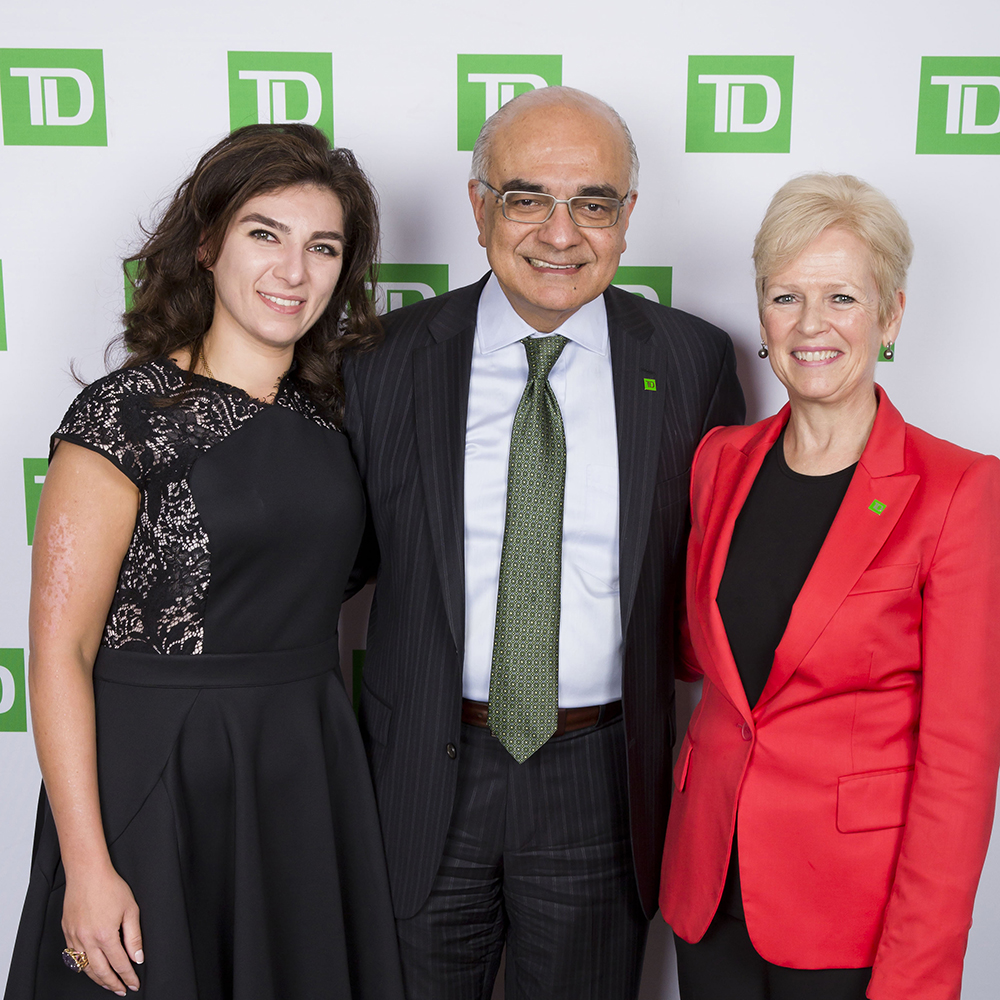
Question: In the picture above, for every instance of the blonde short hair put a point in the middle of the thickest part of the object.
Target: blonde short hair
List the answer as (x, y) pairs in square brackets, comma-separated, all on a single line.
[(807, 206)]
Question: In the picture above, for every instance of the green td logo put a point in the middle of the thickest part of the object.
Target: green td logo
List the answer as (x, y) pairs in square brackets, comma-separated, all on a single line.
[(3, 314), (281, 88), (34, 477), (53, 97), (653, 283), (959, 110), (739, 104), (486, 83), (131, 278), (13, 704), (403, 284)]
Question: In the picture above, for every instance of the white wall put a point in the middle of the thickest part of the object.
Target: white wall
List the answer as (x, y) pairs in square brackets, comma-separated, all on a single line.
[(67, 213)]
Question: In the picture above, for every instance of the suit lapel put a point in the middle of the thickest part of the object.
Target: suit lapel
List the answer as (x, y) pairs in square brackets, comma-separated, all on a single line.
[(855, 537), (441, 372), (735, 474), (639, 418)]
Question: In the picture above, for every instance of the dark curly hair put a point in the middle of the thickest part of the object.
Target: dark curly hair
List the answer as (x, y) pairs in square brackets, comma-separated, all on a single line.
[(174, 292)]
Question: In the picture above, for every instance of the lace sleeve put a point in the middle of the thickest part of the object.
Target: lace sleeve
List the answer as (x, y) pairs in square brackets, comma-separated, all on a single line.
[(110, 416)]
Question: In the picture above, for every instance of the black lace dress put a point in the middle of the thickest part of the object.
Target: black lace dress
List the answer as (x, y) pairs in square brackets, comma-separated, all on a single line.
[(234, 788)]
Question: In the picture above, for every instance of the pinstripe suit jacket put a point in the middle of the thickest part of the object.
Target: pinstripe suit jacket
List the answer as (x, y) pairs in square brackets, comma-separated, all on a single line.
[(406, 416)]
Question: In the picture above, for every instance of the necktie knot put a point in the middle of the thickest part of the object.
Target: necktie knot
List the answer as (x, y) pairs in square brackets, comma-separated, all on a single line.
[(543, 352)]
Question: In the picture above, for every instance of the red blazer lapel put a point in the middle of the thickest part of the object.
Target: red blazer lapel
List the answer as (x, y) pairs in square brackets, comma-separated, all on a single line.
[(872, 506), (735, 473)]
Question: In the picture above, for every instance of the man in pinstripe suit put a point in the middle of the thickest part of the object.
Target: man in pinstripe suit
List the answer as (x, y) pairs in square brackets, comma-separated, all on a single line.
[(557, 856)]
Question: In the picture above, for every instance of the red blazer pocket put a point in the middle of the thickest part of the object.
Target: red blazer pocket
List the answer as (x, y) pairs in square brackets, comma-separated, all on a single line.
[(873, 800), (682, 765), (880, 578)]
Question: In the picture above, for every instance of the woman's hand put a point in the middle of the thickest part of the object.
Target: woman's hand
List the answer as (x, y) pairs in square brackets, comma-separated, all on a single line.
[(101, 919)]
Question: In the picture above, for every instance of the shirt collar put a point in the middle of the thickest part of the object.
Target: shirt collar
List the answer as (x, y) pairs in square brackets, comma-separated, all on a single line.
[(498, 325)]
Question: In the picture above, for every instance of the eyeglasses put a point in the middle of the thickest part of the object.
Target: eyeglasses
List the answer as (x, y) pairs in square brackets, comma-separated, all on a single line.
[(534, 208)]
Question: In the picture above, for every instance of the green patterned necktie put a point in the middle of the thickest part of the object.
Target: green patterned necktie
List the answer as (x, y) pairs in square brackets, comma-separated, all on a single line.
[(524, 682)]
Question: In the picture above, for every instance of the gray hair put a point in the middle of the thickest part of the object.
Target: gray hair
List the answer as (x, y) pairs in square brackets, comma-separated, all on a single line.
[(554, 95)]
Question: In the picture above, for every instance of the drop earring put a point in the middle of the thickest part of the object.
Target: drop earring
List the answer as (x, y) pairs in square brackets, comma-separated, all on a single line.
[(762, 353), (887, 351)]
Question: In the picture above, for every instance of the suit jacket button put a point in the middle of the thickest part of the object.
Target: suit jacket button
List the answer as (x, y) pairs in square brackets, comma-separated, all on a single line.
[(746, 732), (451, 751)]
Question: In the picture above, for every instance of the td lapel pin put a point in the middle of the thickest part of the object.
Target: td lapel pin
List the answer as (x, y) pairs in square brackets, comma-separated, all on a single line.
[(649, 383), (876, 506)]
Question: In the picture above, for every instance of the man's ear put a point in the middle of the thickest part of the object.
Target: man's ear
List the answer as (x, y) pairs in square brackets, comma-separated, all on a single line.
[(478, 209), (627, 213)]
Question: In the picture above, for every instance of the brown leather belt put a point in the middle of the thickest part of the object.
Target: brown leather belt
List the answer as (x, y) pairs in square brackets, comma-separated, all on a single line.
[(476, 713)]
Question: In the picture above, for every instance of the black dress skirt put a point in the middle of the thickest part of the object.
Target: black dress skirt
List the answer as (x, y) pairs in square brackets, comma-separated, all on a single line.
[(234, 788)]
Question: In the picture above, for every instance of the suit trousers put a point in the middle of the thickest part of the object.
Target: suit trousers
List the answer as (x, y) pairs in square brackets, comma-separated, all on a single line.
[(724, 964), (537, 857)]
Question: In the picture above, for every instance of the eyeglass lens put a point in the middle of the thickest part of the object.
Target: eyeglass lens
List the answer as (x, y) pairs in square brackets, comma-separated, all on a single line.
[(531, 206)]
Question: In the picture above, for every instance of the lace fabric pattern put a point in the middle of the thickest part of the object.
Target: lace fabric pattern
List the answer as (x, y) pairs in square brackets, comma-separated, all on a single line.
[(152, 422)]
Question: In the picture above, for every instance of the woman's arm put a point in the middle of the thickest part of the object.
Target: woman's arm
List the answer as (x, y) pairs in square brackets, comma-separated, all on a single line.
[(958, 752), (86, 517)]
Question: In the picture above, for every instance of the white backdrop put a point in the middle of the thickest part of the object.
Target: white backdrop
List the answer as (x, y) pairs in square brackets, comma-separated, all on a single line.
[(69, 212)]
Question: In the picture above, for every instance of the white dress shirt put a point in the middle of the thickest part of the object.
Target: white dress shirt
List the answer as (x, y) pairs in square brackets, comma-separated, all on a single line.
[(590, 633)]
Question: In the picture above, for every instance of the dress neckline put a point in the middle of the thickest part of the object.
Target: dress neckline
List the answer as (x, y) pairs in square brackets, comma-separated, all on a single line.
[(228, 386)]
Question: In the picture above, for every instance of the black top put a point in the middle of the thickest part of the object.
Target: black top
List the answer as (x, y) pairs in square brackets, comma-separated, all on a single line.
[(250, 514), (777, 536)]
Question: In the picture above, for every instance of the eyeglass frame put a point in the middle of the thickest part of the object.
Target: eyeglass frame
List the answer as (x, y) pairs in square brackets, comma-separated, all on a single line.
[(502, 196)]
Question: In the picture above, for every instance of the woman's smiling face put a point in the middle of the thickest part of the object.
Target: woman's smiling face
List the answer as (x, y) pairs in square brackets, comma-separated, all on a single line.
[(279, 264), (820, 321)]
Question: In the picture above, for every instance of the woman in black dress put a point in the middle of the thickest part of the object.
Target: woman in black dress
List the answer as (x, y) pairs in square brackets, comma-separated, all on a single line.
[(207, 829)]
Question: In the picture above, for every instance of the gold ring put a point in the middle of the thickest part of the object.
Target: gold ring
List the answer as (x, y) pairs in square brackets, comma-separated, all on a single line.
[(76, 961)]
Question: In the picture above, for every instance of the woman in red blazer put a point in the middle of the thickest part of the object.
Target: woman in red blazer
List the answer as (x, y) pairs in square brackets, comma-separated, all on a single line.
[(835, 790)]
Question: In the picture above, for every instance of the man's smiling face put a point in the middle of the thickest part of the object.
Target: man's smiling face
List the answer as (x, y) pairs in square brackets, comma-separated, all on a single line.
[(548, 271)]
